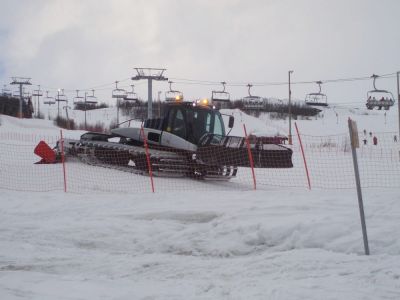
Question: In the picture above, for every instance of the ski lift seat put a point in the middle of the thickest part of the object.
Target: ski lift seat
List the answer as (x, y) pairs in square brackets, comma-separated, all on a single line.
[(118, 93), (131, 97), (379, 98), (386, 104), (220, 96), (61, 98), (253, 102), (173, 96), (6, 92), (316, 99), (49, 102)]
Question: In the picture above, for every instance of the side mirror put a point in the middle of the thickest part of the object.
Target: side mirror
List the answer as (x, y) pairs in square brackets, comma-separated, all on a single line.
[(231, 122)]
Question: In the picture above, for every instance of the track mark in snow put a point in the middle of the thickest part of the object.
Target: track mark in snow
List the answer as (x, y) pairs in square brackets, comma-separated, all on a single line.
[(182, 217)]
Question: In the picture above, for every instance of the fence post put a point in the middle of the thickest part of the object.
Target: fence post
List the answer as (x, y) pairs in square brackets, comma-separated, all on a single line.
[(304, 157), (63, 161), (146, 149), (250, 156), (354, 141)]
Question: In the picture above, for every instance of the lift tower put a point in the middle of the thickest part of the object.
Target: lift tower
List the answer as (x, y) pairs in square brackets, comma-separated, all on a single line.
[(21, 81), (38, 93), (150, 74)]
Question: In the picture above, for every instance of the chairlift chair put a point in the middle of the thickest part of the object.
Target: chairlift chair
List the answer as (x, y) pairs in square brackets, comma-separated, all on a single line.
[(220, 96), (118, 93), (318, 98), (49, 100), (61, 97), (37, 93), (379, 98), (5, 92), (91, 99), (172, 95), (252, 102), (78, 100), (26, 96), (131, 96)]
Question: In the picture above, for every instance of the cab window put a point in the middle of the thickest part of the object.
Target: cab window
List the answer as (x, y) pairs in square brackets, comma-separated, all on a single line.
[(208, 122), (218, 127), (179, 127)]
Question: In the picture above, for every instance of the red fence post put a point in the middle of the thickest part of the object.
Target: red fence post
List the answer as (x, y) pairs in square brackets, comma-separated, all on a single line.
[(250, 156), (63, 161), (304, 158), (146, 148)]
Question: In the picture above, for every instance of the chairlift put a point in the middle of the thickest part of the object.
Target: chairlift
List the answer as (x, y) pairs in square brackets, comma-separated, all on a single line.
[(223, 96), (26, 96), (61, 97), (131, 96), (252, 102), (37, 93), (5, 92), (379, 98), (172, 95), (118, 93), (78, 100), (91, 99), (318, 98), (49, 100)]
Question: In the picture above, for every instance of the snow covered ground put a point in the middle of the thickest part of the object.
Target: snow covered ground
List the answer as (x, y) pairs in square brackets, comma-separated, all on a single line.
[(215, 245), (272, 243)]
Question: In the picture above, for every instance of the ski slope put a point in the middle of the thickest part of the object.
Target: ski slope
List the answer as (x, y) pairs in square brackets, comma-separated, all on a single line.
[(272, 243)]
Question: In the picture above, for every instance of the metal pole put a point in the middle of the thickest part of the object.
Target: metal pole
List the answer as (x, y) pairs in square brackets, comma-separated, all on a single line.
[(20, 81), (290, 112), (354, 144), (66, 113), (85, 112), (141, 74), (20, 100), (159, 104), (117, 112), (398, 99), (58, 104), (38, 103), (150, 98)]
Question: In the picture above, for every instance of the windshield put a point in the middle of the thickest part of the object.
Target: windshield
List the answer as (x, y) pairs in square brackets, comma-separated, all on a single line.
[(202, 121)]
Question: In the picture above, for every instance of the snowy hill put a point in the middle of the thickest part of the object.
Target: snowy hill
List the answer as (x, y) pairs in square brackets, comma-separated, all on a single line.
[(219, 243)]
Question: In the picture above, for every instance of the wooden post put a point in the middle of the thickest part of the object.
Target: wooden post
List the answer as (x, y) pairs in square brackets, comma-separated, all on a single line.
[(146, 148), (63, 161), (304, 157), (250, 157), (356, 144)]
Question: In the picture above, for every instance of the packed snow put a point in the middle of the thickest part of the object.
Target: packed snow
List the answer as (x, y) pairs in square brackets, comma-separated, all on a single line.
[(272, 243)]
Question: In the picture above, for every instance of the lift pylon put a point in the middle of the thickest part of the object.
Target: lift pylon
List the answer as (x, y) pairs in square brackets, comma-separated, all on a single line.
[(150, 74)]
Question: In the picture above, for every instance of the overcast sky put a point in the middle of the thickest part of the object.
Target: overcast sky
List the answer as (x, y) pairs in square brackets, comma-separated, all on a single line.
[(82, 44)]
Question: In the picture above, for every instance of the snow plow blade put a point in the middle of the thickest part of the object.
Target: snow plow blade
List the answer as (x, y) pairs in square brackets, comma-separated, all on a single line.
[(232, 150), (47, 154)]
